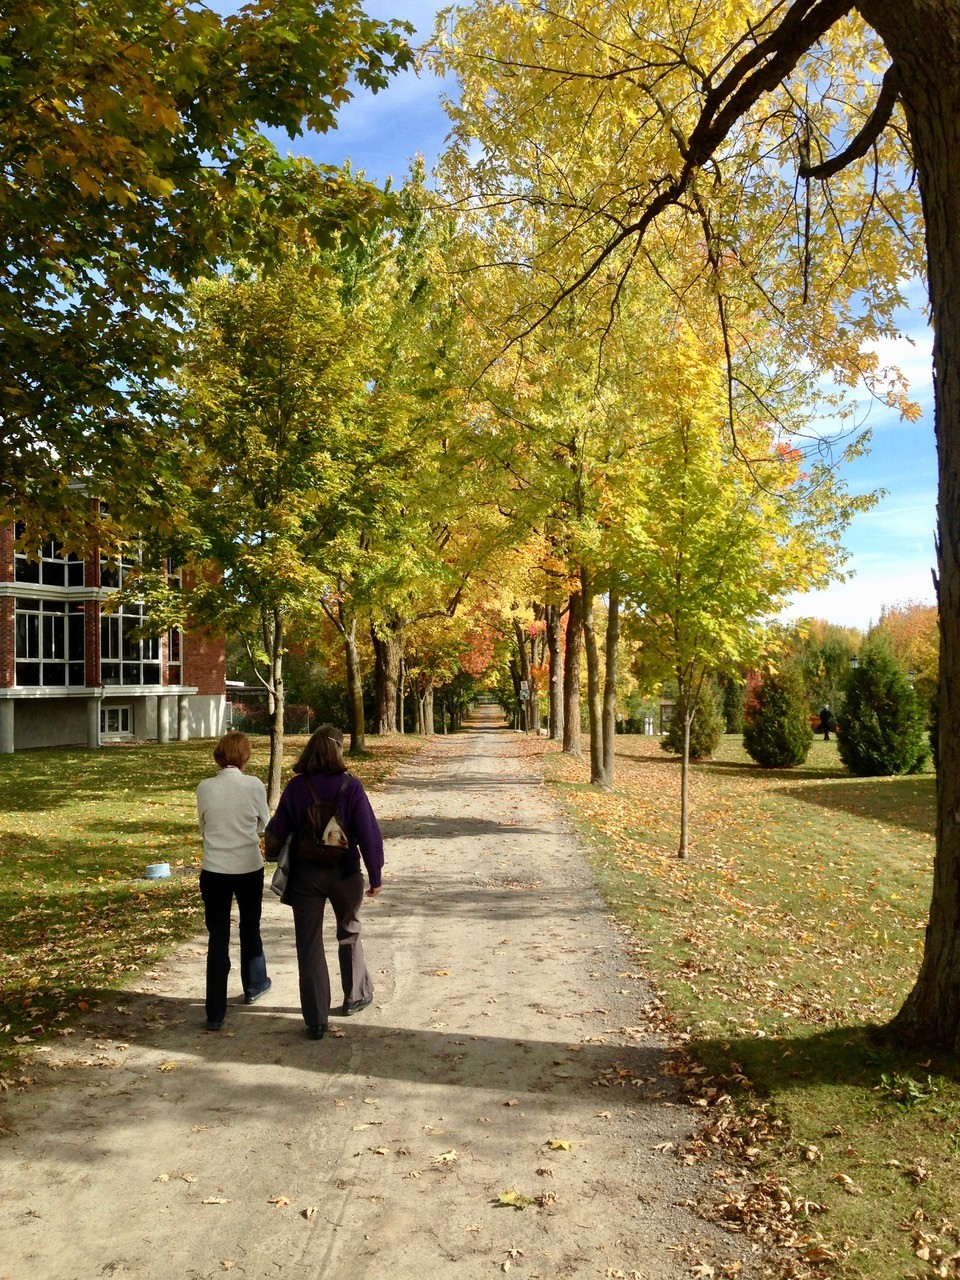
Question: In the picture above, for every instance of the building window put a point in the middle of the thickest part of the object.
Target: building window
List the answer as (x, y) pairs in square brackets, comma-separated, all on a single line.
[(116, 722), (174, 656), (114, 573), (49, 567), (49, 648), (125, 659)]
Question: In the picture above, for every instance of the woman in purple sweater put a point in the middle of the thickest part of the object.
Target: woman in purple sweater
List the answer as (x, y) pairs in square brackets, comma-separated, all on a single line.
[(322, 776)]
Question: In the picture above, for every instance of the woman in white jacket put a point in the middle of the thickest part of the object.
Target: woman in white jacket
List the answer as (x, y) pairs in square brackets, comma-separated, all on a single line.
[(232, 812)]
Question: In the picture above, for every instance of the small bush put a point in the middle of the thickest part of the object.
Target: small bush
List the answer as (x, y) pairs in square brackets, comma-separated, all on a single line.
[(777, 733), (882, 727), (706, 730), (733, 705)]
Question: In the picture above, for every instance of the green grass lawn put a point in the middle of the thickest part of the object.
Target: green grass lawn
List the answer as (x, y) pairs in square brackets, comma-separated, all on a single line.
[(78, 829), (788, 936)]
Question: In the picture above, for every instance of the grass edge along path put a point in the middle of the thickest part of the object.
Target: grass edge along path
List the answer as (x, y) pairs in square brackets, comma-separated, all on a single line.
[(78, 829), (789, 935)]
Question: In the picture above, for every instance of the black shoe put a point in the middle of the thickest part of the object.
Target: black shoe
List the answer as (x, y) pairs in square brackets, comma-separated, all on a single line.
[(316, 1033), (214, 1025), (254, 996), (354, 1006)]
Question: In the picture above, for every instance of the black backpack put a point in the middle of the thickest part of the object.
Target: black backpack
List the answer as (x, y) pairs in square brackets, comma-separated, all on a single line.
[(322, 838)]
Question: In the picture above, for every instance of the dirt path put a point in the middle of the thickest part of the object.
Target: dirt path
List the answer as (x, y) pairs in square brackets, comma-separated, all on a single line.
[(505, 1018)]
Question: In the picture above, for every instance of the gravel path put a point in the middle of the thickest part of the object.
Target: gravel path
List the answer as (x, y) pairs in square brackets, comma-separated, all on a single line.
[(502, 1057)]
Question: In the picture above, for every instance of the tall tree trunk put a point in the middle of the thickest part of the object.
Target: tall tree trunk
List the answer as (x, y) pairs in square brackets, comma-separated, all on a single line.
[(534, 703), (387, 651), (611, 651), (401, 695), (556, 672), (273, 635), (928, 66), (572, 651), (428, 726), (354, 684), (684, 848), (524, 677), (593, 680)]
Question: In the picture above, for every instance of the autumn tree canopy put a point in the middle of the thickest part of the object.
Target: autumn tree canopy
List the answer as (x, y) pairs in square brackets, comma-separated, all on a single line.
[(130, 158), (782, 139)]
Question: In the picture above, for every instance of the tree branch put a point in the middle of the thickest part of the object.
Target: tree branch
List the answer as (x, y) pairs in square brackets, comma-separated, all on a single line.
[(871, 131)]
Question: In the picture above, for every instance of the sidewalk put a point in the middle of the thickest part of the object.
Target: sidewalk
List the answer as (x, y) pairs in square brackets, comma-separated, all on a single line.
[(505, 1019)]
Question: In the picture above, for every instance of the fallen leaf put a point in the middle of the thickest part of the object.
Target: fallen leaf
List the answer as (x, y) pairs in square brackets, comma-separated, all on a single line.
[(559, 1144), (310, 1210), (279, 1201), (214, 1200), (513, 1200), (446, 1157), (169, 1066)]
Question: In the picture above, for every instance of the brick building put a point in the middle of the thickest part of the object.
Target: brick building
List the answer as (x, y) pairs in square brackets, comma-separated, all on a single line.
[(72, 673)]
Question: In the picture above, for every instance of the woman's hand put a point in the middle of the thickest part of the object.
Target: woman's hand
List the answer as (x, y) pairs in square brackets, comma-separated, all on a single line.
[(372, 893)]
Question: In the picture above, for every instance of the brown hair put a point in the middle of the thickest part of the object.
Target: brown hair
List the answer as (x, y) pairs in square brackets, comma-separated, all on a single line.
[(323, 753), (232, 749)]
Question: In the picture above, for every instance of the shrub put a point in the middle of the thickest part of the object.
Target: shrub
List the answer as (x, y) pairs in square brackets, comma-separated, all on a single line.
[(777, 733), (706, 730), (733, 705), (881, 729)]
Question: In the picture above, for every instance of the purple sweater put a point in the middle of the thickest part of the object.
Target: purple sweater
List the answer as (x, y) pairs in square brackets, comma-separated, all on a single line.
[(353, 812)]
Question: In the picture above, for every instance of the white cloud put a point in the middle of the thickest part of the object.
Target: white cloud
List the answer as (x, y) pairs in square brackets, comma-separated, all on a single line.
[(858, 603)]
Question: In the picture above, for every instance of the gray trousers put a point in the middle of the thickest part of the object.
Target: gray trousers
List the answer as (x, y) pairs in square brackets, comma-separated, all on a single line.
[(310, 886)]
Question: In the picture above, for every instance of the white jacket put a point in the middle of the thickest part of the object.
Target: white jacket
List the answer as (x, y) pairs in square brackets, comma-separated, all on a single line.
[(232, 813)]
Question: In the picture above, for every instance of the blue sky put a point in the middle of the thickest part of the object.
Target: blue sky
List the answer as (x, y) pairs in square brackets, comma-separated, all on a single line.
[(892, 546)]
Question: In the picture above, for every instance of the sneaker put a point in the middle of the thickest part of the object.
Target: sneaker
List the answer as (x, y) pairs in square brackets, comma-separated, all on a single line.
[(316, 1033), (254, 996)]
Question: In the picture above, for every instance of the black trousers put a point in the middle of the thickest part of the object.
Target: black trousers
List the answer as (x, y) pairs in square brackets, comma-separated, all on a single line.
[(311, 887), (218, 891)]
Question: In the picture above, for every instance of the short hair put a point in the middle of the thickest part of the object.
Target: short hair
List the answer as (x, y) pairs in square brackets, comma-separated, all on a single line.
[(323, 753), (232, 749)]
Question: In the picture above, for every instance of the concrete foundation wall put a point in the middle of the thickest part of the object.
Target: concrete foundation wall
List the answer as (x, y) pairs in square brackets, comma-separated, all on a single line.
[(49, 722), (206, 715)]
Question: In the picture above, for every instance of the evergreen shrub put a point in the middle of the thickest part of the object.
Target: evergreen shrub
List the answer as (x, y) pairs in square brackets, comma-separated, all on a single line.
[(776, 731), (733, 705), (881, 729)]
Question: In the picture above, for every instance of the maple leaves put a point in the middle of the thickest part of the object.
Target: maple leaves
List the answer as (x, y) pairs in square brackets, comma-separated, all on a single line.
[(129, 146)]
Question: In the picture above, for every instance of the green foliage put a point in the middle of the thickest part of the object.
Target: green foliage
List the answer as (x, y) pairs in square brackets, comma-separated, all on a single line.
[(881, 729), (823, 652), (131, 161), (777, 731), (706, 728), (732, 704)]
